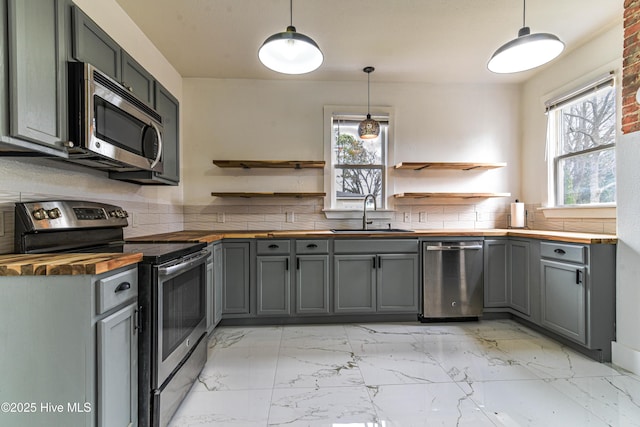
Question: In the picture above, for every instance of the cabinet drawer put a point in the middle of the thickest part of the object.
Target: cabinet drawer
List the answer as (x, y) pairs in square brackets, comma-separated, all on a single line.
[(572, 253), (116, 289), (312, 246), (375, 246), (272, 247)]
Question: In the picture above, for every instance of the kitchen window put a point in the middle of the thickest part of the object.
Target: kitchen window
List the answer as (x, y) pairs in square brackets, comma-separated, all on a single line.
[(357, 167), (581, 138)]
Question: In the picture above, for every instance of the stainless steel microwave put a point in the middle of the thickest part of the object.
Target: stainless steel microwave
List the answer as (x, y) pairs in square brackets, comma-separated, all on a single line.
[(109, 127)]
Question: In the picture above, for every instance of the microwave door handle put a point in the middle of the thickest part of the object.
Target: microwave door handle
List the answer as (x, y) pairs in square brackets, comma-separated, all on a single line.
[(155, 162)]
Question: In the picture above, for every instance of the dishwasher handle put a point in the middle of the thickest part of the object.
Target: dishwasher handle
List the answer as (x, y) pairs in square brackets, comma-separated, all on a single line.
[(454, 248)]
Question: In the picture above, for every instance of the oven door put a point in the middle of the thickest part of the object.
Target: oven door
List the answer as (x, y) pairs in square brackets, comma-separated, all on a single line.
[(181, 311)]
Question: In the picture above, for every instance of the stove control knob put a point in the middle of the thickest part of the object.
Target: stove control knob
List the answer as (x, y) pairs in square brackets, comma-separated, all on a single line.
[(113, 214), (125, 214), (39, 214), (54, 213)]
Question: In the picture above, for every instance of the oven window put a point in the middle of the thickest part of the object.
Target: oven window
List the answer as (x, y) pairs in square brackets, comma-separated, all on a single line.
[(183, 299), (118, 127)]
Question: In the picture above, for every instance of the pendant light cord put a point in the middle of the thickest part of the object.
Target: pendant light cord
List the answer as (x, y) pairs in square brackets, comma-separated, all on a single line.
[(368, 93), (291, 13), (524, 12)]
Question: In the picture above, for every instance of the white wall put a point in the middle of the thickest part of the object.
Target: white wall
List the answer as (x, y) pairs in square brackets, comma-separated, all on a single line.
[(283, 120)]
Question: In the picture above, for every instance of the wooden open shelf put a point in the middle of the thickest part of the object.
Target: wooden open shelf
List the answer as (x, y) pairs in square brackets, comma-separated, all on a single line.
[(417, 166), (269, 164), (449, 195), (266, 194)]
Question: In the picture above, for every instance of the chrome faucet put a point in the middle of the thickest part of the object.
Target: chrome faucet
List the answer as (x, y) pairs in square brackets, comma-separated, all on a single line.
[(365, 222)]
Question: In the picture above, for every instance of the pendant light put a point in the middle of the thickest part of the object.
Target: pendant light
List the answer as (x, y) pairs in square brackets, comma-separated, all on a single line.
[(290, 52), (368, 128), (525, 52)]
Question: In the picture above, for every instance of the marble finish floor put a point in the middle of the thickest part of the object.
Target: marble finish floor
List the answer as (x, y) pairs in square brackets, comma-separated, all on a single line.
[(487, 373)]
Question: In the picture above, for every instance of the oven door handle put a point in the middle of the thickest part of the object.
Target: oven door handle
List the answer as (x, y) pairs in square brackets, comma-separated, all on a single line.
[(166, 271)]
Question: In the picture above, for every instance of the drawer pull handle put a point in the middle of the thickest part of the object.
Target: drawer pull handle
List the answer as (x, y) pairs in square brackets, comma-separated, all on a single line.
[(123, 287), (273, 246), (559, 251), (312, 246)]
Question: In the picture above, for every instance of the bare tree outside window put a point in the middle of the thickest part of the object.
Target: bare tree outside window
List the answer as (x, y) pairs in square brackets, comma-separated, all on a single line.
[(585, 163), (359, 164)]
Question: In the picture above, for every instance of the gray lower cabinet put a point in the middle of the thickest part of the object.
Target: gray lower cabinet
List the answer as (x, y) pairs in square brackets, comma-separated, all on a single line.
[(496, 273), (519, 276), (210, 293), (564, 298), (236, 278), (312, 284), (218, 283), (34, 82), (273, 285), (396, 280), (376, 276), (354, 283), (118, 368), (74, 344)]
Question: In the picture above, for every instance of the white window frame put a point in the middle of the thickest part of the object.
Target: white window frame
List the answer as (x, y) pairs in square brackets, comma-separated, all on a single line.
[(553, 208), (330, 206)]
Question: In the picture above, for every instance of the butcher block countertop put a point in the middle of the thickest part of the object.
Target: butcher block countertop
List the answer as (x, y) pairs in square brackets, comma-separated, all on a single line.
[(64, 264), (77, 263), (212, 236)]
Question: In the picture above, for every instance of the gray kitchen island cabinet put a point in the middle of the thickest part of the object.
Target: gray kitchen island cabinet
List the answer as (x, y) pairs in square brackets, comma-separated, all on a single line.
[(73, 358), (33, 78), (376, 276)]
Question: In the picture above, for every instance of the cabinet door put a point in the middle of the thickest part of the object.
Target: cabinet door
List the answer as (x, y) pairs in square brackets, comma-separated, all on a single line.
[(564, 299), (217, 283), (118, 369), (354, 283), (495, 273), (235, 271), (169, 109), (37, 70), (519, 276), (91, 44), (273, 285), (397, 283), (312, 284), (210, 295), (137, 80)]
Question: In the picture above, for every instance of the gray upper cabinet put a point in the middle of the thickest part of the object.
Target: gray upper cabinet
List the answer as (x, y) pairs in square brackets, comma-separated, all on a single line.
[(137, 79), (91, 44), (35, 75)]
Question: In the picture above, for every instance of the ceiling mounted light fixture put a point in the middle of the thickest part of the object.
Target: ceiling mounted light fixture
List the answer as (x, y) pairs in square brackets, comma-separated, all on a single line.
[(368, 128), (290, 52), (525, 52)]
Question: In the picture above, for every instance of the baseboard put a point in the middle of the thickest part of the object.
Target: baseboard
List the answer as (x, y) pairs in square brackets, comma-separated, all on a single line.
[(625, 357)]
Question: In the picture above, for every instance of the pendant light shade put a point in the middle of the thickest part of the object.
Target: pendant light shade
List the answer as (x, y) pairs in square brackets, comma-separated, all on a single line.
[(290, 52), (368, 128), (526, 52)]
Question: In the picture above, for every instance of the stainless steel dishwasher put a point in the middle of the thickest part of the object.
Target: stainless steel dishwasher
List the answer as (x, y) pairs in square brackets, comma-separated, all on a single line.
[(452, 280)]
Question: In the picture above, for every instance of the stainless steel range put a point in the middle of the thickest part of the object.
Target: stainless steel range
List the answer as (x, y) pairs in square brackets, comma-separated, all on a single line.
[(172, 288)]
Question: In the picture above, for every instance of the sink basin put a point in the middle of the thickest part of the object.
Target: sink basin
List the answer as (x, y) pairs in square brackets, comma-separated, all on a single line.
[(371, 230)]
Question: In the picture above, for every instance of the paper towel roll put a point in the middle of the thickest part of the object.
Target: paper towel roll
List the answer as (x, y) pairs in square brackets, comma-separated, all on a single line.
[(517, 215)]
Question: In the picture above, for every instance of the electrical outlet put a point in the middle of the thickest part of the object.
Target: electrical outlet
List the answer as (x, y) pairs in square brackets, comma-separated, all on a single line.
[(220, 218), (422, 217), (290, 217), (1, 223), (407, 217), (134, 219)]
